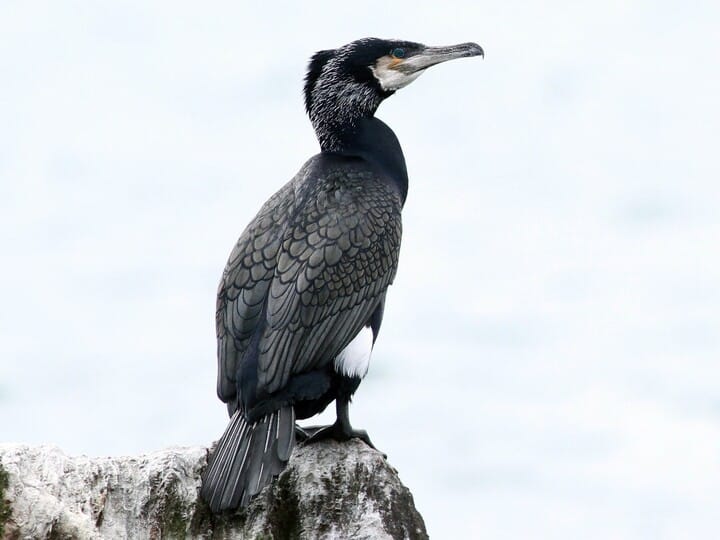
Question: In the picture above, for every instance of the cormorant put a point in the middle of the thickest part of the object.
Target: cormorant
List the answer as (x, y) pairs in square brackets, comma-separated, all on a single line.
[(301, 299)]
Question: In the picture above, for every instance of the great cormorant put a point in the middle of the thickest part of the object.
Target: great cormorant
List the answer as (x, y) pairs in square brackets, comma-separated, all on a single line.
[(301, 299)]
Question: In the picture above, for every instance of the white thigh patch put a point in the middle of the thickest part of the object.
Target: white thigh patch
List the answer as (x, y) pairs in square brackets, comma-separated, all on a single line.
[(353, 360)]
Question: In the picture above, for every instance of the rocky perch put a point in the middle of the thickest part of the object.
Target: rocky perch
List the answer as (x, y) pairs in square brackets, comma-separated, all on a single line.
[(329, 490)]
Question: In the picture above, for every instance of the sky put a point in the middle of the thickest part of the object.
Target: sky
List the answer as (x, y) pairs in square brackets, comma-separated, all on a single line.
[(548, 363)]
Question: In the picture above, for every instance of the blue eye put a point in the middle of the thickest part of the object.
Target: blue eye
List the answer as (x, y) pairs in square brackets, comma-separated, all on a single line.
[(398, 52)]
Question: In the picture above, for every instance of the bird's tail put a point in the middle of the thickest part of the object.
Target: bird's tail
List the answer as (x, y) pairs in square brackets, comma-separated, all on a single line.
[(247, 457)]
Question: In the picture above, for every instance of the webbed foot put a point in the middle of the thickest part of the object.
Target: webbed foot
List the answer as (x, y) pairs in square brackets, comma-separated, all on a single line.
[(336, 432), (302, 434)]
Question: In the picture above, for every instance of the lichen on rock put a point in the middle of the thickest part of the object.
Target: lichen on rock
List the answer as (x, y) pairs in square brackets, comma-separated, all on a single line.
[(4, 503)]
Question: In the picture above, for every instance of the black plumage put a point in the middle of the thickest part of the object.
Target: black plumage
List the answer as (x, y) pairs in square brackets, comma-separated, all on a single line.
[(311, 270)]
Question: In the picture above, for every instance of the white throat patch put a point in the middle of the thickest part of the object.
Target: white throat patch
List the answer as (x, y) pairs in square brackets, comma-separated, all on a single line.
[(391, 79)]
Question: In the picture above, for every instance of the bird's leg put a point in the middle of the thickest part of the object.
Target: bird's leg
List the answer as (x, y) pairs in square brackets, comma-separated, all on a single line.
[(341, 430)]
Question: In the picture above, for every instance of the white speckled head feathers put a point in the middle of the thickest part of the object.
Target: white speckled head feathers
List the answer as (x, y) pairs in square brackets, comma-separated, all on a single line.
[(348, 83)]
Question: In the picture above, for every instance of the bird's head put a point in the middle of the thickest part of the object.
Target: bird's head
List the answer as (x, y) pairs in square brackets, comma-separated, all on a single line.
[(350, 82)]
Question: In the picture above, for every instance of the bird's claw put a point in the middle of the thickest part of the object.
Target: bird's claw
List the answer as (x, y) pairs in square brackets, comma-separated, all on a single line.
[(312, 434)]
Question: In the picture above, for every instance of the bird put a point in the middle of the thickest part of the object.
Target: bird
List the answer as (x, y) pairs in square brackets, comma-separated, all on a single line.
[(301, 299)]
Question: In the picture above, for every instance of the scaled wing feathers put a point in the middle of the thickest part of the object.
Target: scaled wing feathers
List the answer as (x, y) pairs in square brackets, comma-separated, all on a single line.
[(316, 260)]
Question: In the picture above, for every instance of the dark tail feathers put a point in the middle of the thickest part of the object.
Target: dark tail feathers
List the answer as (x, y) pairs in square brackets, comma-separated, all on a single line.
[(247, 457)]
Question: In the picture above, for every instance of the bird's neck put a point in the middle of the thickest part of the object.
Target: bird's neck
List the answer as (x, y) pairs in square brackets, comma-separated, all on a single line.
[(338, 110), (373, 140)]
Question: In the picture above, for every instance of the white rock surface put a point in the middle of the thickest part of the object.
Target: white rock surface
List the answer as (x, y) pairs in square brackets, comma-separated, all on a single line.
[(329, 490)]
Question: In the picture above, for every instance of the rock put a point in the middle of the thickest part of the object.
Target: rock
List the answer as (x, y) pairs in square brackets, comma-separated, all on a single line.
[(329, 490)]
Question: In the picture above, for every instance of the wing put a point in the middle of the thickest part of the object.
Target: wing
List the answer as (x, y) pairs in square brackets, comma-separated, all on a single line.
[(244, 286), (305, 276), (334, 265)]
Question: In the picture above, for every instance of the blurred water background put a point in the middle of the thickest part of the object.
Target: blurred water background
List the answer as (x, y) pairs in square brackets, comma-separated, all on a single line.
[(548, 364)]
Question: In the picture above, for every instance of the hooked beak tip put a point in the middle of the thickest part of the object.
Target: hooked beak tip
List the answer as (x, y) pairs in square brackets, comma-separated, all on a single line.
[(475, 50)]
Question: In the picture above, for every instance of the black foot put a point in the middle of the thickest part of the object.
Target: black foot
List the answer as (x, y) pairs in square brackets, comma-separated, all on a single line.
[(336, 432), (302, 434)]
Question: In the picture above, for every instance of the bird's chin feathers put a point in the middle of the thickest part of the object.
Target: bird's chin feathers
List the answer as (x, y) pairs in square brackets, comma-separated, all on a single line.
[(389, 77)]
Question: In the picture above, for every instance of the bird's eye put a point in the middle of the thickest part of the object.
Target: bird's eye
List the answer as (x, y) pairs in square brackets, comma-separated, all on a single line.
[(398, 52)]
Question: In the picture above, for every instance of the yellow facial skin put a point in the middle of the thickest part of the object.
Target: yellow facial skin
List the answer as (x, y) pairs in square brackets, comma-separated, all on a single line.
[(388, 62), (395, 61)]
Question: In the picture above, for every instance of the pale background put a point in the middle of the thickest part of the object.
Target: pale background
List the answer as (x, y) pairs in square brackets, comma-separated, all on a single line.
[(548, 365)]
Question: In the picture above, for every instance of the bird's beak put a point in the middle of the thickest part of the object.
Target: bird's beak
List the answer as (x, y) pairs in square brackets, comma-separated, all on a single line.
[(430, 56)]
